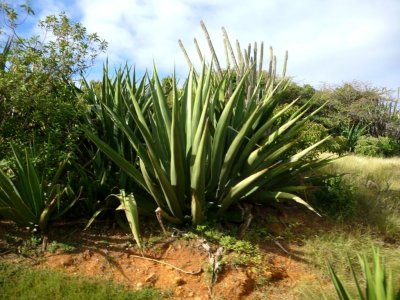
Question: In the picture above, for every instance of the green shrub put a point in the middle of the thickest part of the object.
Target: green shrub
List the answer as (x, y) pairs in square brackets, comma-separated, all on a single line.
[(377, 146), (335, 197)]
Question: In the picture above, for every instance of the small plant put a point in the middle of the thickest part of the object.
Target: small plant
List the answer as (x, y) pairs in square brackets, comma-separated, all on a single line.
[(335, 197), (378, 282), (243, 252), (65, 247), (27, 198)]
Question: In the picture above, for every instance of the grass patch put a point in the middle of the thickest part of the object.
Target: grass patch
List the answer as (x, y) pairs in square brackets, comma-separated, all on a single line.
[(337, 247), (377, 190), (21, 282)]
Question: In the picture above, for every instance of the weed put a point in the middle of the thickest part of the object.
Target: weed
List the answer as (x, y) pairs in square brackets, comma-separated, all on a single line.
[(336, 197), (10, 239), (244, 252), (104, 243), (54, 246)]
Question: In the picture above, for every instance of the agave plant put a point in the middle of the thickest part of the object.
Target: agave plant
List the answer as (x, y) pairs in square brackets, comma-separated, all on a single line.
[(28, 199), (216, 146), (96, 171), (378, 283), (352, 132)]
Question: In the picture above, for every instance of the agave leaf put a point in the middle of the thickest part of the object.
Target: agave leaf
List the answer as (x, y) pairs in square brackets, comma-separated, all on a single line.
[(306, 151), (168, 217), (94, 216), (129, 134), (45, 214), (178, 156), (28, 183), (196, 208), (257, 136), (128, 204), (197, 105), (258, 155), (235, 147), (160, 105), (380, 276), (56, 178), (186, 111), (288, 196), (198, 177), (67, 190), (353, 273), (341, 290), (117, 159), (220, 134), (14, 207), (168, 190), (238, 190), (152, 187), (200, 130)]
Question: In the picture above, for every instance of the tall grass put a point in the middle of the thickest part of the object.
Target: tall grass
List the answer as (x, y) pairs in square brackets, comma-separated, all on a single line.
[(336, 247), (377, 190)]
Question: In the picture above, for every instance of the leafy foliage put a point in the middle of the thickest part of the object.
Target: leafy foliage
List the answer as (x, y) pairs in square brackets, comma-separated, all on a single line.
[(335, 197), (37, 93), (377, 146)]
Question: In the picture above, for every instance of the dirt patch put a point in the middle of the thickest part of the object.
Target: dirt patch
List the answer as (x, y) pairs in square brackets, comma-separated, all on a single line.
[(175, 264)]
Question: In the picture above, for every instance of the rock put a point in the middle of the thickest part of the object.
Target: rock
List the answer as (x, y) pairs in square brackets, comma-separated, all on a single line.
[(139, 285)]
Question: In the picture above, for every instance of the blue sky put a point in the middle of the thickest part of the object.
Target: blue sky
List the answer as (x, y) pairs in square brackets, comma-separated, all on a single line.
[(329, 41)]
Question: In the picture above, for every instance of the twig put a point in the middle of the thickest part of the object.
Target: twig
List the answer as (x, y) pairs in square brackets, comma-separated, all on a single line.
[(279, 244), (5, 252), (168, 264), (160, 221), (44, 243)]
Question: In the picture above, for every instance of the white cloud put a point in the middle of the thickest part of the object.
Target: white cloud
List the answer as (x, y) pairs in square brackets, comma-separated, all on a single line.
[(331, 40)]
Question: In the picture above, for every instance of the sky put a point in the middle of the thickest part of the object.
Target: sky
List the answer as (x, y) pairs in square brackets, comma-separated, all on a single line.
[(329, 41)]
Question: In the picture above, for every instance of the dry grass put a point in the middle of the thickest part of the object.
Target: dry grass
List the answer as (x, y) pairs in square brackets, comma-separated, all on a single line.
[(377, 190), (377, 222), (373, 172), (336, 247)]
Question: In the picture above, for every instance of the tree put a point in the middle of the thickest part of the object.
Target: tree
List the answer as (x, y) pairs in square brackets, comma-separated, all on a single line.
[(38, 103)]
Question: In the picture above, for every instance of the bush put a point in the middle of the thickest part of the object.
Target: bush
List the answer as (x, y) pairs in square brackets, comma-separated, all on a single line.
[(335, 197), (381, 146)]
